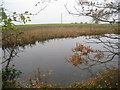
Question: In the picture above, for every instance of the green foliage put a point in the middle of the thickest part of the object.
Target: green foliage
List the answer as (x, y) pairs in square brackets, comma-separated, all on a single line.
[(9, 75), (7, 20)]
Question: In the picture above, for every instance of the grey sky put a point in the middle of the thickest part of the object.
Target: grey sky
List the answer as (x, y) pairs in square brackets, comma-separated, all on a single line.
[(51, 14)]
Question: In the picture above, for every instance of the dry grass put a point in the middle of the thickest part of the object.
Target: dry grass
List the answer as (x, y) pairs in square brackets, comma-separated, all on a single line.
[(106, 79), (29, 34)]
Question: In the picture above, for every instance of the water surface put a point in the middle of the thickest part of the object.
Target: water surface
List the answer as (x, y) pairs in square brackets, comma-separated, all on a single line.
[(52, 55)]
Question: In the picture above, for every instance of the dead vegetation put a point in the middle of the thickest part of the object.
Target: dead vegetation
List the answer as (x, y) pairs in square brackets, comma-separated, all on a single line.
[(29, 34)]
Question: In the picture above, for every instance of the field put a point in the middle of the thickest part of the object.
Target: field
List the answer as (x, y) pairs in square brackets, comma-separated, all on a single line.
[(29, 34)]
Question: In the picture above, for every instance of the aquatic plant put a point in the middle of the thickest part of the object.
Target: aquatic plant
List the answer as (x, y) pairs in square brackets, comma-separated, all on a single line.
[(37, 81)]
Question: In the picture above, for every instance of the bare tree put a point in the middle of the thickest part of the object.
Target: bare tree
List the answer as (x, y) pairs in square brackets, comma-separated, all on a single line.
[(86, 55), (106, 11), (99, 11)]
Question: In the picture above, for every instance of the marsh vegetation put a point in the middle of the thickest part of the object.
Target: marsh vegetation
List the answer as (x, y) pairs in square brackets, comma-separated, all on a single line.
[(61, 55), (53, 49), (29, 34)]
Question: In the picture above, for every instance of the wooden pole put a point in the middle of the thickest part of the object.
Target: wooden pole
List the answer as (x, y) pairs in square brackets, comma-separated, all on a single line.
[(61, 18)]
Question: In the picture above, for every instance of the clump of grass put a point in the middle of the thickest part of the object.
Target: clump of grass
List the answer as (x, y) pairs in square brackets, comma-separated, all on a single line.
[(37, 81), (34, 83), (106, 79), (31, 34), (11, 75)]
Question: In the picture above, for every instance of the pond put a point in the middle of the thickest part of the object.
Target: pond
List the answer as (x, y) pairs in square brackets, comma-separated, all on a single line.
[(50, 57)]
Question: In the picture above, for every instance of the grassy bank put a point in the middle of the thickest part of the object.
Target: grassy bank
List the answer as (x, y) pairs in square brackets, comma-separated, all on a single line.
[(29, 34), (105, 79)]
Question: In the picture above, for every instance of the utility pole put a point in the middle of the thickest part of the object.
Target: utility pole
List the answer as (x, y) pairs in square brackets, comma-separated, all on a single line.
[(61, 18)]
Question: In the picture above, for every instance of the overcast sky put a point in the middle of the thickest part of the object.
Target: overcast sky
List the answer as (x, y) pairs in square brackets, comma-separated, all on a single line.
[(51, 14)]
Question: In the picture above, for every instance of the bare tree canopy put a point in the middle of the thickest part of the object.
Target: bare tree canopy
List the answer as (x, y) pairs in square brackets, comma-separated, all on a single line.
[(89, 57), (99, 11)]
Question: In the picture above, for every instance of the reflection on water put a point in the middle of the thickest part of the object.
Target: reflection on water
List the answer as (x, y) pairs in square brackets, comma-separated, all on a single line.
[(52, 54)]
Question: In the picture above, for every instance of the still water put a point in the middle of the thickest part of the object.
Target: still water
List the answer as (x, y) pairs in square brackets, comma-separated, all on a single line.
[(51, 56)]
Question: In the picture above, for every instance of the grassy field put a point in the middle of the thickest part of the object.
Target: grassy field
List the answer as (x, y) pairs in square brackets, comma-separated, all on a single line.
[(29, 34), (33, 25)]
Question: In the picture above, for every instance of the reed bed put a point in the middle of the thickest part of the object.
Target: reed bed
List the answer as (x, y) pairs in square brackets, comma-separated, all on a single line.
[(31, 34)]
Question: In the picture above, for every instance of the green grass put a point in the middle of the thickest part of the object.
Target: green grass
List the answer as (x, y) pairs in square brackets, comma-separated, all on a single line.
[(34, 25)]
